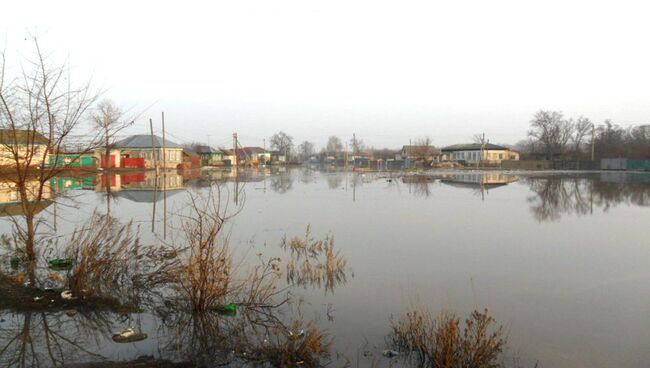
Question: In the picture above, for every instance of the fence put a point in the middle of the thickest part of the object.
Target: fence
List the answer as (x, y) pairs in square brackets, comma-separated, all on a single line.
[(133, 163), (638, 165), (525, 164)]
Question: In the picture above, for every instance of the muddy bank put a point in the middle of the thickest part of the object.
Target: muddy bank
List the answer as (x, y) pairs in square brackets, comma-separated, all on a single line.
[(18, 297)]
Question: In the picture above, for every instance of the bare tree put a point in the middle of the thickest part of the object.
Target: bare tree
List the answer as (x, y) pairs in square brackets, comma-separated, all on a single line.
[(39, 111), (422, 150), (110, 119), (552, 131), (581, 129), (282, 142), (334, 146), (305, 150), (356, 145)]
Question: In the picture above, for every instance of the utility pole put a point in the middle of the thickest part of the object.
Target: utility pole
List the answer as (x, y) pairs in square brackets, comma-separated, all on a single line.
[(164, 178), (163, 142), (234, 146), (153, 147), (593, 137)]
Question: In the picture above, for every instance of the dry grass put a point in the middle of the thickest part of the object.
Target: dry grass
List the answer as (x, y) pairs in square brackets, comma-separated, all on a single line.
[(210, 276), (314, 262), (441, 342), (293, 345), (110, 261)]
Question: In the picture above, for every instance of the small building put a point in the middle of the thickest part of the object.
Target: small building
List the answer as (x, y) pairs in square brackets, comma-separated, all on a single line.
[(141, 146), (73, 160), (209, 156), (247, 156), (420, 153), (28, 144), (471, 153)]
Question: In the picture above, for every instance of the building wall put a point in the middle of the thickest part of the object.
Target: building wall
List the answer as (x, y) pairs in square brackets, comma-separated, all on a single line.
[(7, 159), (99, 153), (489, 156), (174, 156)]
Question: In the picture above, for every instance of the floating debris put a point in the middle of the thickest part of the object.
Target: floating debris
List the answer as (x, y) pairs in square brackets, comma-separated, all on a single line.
[(390, 353), (129, 335), (38, 298), (67, 295), (227, 309), (71, 313), (61, 263)]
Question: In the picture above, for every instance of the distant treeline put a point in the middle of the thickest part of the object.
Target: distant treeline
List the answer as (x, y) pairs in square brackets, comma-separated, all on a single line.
[(552, 136)]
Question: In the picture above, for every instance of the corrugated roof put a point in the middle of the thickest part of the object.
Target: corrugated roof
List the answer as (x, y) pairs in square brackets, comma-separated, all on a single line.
[(473, 147), (143, 141), (22, 137)]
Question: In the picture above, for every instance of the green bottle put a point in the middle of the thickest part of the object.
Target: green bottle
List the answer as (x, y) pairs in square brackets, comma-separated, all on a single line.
[(227, 309), (61, 263), (15, 262)]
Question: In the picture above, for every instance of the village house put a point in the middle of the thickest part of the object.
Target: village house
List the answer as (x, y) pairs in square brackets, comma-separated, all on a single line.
[(29, 145), (209, 155), (277, 157), (141, 146), (247, 156), (471, 153), (420, 153)]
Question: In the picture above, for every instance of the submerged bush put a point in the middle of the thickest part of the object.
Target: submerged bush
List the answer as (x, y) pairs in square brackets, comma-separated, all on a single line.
[(441, 342)]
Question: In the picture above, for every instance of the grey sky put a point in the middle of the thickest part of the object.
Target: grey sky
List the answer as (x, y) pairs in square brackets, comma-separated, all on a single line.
[(388, 71)]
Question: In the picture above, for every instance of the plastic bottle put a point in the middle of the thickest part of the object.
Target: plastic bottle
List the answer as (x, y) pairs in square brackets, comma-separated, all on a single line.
[(61, 263), (227, 309)]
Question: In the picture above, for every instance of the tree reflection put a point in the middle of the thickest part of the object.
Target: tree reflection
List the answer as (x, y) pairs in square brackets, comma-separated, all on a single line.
[(46, 339), (334, 180), (282, 182), (314, 262), (555, 196)]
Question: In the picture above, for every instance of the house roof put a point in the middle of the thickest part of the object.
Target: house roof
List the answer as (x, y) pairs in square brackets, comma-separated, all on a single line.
[(473, 147), (143, 141), (22, 136), (246, 151), (205, 149)]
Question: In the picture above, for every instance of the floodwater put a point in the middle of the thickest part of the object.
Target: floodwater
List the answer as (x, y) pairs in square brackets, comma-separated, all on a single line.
[(561, 259)]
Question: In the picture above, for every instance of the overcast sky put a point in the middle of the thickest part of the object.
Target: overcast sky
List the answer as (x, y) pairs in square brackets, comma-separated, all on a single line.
[(388, 71)]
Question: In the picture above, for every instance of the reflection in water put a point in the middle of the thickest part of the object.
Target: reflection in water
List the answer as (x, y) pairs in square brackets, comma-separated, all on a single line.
[(480, 183), (314, 262), (554, 196), (419, 185), (334, 180), (10, 203), (50, 339), (282, 182)]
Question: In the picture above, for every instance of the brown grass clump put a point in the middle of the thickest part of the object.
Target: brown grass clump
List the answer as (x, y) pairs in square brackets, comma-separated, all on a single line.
[(442, 343), (314, 262), (110, 261), (209, 277), (291, 346)]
